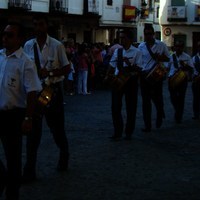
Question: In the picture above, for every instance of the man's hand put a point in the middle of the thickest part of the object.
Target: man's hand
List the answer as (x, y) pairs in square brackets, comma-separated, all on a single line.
[(43, 73)]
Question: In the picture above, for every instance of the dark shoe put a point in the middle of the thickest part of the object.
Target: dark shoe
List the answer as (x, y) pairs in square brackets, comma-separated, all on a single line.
[(146, 130)]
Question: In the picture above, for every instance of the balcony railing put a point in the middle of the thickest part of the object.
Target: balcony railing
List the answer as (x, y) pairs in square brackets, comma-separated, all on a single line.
[(20, 4), (177, 14), (58, 6)]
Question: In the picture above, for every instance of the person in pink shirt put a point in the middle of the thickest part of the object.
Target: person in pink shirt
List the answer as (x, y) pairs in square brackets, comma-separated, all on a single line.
[(82, 68)]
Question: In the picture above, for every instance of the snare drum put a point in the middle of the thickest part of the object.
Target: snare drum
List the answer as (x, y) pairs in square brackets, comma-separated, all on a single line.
[(45, 95), (157, 73), (117, 82), (43, 100), (177, 78)]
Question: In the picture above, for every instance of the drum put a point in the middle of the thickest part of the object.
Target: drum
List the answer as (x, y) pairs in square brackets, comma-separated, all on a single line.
[(43, 100), (177, 78), (46, 95), (157, 73), (117, 82)]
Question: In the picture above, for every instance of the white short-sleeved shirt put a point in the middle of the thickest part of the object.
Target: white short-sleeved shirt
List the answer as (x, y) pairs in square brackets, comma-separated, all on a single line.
[(18, 76), (195, 72), (134, 55), (183, 57), (52, 56), (159, 47)]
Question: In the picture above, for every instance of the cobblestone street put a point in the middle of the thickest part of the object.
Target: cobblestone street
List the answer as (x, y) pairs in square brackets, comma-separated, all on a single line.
[(161, 166)]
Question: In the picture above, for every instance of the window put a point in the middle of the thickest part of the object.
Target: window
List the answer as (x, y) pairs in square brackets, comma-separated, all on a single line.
[(157, 12), (177, 2), (150, 5), (181, 38), (109, 2)]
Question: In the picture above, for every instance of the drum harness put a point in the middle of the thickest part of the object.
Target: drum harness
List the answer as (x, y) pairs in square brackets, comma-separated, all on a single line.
[(152, 56), (48, 92)]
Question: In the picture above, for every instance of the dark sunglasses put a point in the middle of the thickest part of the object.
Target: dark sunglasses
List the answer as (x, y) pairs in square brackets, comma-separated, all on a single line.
[(8, 34)]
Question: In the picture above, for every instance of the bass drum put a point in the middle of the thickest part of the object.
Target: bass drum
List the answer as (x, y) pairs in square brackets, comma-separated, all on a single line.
[(177, 79)]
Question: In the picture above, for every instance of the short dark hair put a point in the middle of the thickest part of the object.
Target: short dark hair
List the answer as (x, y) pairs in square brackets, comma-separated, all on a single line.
[(149, 28), (128, 32), (21, 29)]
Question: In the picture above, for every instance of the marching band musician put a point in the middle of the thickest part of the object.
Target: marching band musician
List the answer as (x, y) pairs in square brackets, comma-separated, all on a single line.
[(196, 84), (19, 85), (50, 54), (180, 65), (153, 52), (129, 60)]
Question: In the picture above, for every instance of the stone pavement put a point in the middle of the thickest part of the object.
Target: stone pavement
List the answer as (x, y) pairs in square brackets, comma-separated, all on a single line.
[(165, 165)]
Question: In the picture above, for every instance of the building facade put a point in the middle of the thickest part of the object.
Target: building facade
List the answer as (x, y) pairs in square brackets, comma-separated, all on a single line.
[(85, 20), (180, 20)]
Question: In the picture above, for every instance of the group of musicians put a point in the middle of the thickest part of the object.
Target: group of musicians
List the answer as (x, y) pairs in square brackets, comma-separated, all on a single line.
[(153, 63)]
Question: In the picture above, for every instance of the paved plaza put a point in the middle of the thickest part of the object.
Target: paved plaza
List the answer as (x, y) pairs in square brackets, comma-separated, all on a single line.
[(163, 165)]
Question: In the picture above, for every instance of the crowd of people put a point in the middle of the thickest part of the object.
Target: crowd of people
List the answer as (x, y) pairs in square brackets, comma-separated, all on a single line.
[(36, 74)]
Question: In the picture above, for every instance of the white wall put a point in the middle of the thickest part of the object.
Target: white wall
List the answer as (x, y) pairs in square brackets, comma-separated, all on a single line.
[(75, 7), (40, 5), (3, 3)]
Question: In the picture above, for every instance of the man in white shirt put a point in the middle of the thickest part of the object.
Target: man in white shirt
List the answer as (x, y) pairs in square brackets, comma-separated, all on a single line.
[(52, 63), (126, 60), (179, 62), (153, 52), (196, 84), (19, 85)]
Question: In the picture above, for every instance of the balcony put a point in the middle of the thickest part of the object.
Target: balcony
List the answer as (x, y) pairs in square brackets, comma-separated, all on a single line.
[(20, 4), (176, 14), (58, 6)]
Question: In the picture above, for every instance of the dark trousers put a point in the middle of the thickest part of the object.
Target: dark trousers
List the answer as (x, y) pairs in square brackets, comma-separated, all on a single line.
[(2, 177), (130, 91), (54, 115), (151, 92), (196, 98), (177, 97), (11, 137)]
